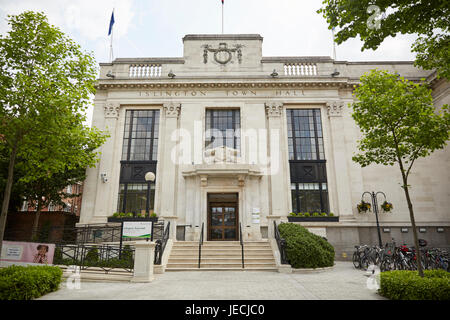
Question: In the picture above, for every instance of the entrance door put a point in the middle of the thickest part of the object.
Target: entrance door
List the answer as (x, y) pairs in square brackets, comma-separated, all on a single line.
[(223, 217)]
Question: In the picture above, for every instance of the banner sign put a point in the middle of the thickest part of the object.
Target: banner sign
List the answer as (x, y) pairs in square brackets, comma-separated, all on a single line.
[(28, 252), (137, 229)]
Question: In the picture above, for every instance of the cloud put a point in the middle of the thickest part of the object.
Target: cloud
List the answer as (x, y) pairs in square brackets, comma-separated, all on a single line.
[(89, 19)]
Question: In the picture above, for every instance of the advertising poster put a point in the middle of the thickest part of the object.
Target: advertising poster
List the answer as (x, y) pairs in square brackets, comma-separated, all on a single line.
[(28, 252), (137, 229)]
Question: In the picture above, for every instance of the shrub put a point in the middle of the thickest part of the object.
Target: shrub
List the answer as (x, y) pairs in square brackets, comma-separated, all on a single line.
[(408, 285), (315, 214), (307, 214), (293, 214), (323, 214), (25, 283), (91, 257), (305, 249), (331, 214)]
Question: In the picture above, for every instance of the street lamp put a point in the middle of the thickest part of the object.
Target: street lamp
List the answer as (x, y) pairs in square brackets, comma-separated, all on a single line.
[(149, 177), (374, 196)]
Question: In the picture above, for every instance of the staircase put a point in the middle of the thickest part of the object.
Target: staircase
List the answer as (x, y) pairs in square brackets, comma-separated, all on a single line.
[(221, 256)]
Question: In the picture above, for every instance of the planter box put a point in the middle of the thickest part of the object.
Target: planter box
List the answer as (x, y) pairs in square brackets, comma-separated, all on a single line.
[(313, 219), (114, 219)]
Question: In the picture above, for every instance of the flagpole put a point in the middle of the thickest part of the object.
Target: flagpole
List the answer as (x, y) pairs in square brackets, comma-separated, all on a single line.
[(222, 17), (111, 54), (334, 45)]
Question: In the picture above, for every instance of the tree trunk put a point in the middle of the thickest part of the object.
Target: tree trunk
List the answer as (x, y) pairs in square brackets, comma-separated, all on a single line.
[(36, 220), (7, 194), (413, 225)]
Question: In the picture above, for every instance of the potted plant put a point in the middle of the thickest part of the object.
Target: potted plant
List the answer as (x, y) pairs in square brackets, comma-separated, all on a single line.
[(121, 216), (314, 217), (363, 206), (387, 206)]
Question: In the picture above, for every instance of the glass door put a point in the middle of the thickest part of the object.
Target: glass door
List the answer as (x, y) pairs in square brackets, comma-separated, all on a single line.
[(223, 221)]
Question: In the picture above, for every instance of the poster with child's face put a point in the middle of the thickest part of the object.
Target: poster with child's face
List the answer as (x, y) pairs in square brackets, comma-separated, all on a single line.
[(31, 252)]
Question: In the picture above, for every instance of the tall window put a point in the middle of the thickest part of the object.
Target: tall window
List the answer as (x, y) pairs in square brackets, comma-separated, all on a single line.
[(139, 156), (223, 128), (307, 161), (140, 140)]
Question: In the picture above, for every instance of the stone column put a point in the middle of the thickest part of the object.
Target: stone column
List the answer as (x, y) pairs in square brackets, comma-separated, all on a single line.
[(340, 154), (104, 190), (173, 226), (277, 152), (169, 160), (144, 256)]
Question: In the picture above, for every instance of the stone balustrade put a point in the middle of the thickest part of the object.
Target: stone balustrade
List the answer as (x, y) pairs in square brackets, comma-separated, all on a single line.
[(300, 69), (145, 70)]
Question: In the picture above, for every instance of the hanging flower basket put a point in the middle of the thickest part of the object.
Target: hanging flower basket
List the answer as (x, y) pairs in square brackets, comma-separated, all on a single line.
[(363, 206), (387, 206)]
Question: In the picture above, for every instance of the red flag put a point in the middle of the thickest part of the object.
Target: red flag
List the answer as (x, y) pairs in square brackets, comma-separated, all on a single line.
[(222, 1)]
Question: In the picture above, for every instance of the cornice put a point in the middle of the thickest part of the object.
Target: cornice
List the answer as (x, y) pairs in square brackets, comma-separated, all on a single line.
[(197, 85)]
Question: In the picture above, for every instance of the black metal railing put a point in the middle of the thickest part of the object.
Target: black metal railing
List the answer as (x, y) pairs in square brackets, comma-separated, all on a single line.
[(161, 244), (281, 244), (242, 243), (200, 243), (106, 257)]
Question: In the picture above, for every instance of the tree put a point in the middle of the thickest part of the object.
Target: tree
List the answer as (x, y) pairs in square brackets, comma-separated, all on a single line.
[(45, 191), (45, 85), (375, 20), (399, 125)]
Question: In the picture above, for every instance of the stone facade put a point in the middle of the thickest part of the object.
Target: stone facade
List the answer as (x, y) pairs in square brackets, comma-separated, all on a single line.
[(229, 72)]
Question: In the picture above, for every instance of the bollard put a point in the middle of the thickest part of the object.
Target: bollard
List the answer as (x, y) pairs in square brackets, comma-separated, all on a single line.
[(143, 261)]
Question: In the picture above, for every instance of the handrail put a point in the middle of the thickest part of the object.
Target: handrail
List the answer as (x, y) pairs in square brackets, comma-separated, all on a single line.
[(242, 243), (161, 245), (200, 243), (281, 244)]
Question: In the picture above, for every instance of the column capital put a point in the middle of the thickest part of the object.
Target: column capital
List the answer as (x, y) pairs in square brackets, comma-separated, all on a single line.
[(335, 108), (274, 109), (112, 110), (172, 109)]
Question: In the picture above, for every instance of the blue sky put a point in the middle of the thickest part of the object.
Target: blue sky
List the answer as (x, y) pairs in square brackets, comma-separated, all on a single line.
[(154, 28)]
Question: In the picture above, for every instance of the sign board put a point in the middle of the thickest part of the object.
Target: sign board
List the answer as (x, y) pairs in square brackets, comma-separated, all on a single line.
[(28, 252), (137, 229)]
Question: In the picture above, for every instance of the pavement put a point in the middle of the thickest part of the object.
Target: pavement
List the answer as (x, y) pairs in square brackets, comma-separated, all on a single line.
[(343, 282)]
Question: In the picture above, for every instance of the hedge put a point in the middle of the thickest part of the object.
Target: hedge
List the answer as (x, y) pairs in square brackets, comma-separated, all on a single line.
[(305, 249), (25, 283), (408, 285)]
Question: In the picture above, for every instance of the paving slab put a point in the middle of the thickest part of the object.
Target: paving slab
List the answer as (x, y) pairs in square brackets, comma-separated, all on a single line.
[(341, 282)]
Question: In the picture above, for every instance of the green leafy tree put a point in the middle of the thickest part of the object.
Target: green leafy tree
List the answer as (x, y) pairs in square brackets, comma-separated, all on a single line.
[(375, 20), (399, 125), (50, 190), (46, 82)]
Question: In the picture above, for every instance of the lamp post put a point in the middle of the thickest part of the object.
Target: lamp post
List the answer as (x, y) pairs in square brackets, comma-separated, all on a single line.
[(149, 177), (374, 195)]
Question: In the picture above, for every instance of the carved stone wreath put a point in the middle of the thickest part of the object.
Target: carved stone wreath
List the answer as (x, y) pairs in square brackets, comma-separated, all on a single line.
[(222, 54)]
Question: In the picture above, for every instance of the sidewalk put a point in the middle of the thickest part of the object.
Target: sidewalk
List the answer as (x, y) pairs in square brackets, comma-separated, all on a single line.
[(344, 282)]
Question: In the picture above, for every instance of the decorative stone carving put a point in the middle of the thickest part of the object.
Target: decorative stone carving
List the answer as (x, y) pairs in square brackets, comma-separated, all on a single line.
[(172, 110), (204, 180), (222, 54), (221, 155), (274, 109), (335, 108), (112, 110)]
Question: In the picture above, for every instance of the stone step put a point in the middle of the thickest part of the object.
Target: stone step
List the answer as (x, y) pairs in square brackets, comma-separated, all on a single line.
[(221, 251), (221, 260), (217, 247), (221, 265), (269, 269), (229, 255)]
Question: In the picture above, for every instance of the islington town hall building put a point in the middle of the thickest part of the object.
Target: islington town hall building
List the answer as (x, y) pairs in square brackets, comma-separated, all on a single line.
[(236, 141)]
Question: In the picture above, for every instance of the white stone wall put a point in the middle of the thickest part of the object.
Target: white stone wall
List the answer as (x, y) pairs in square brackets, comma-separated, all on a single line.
[(182, 187)]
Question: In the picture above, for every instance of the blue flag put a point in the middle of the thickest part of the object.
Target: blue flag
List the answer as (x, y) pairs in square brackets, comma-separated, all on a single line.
[(111, 23)]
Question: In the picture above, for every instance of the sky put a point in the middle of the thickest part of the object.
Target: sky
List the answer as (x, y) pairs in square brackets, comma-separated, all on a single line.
[(155, 28)]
